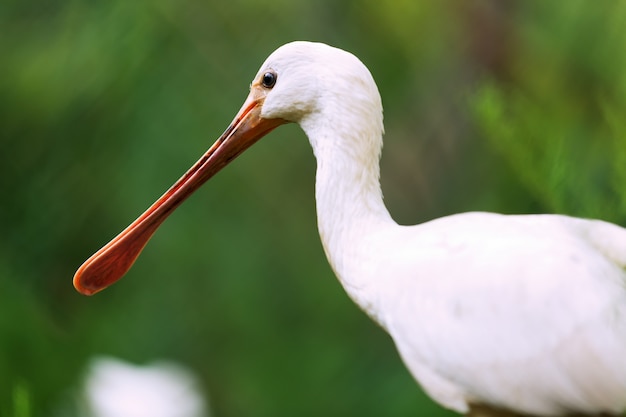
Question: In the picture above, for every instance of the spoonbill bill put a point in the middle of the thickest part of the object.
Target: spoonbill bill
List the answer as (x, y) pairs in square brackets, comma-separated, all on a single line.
[(492, 314)]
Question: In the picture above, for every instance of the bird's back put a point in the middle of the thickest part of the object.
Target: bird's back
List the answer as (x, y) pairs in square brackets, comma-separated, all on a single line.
[(520, 312)]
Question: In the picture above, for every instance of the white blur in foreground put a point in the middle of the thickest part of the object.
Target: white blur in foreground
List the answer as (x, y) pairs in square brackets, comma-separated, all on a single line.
[(114, 388)]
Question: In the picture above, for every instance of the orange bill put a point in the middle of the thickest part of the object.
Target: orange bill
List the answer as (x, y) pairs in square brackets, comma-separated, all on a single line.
[(115, 259)]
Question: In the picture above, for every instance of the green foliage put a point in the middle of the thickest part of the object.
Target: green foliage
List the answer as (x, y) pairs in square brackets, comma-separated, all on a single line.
[(560, 123), (21, 401), (572, 165), (103, 104)]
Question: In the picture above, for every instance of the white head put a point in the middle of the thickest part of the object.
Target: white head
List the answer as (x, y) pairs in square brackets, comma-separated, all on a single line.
[(313, 79)]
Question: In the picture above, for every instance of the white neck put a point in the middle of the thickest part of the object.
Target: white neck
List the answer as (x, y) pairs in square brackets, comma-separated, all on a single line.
[(349, 201)]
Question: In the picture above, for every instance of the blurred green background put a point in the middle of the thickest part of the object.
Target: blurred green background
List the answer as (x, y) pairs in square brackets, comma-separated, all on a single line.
[(516, 107)]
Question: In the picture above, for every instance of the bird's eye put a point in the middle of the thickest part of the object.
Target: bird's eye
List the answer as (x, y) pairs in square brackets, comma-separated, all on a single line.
[(269, 79)]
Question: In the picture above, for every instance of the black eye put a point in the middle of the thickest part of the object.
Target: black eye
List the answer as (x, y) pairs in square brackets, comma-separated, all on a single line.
[(269, 79)]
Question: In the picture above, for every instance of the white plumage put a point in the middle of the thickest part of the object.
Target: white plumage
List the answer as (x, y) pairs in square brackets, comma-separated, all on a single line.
[(519, 313), (115, 388)]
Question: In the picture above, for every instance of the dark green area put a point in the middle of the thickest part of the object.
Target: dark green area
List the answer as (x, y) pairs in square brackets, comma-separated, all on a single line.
[(516, 107)]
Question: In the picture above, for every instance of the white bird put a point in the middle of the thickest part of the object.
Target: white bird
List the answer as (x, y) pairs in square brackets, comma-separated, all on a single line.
[(492, 314), (115, 388)]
